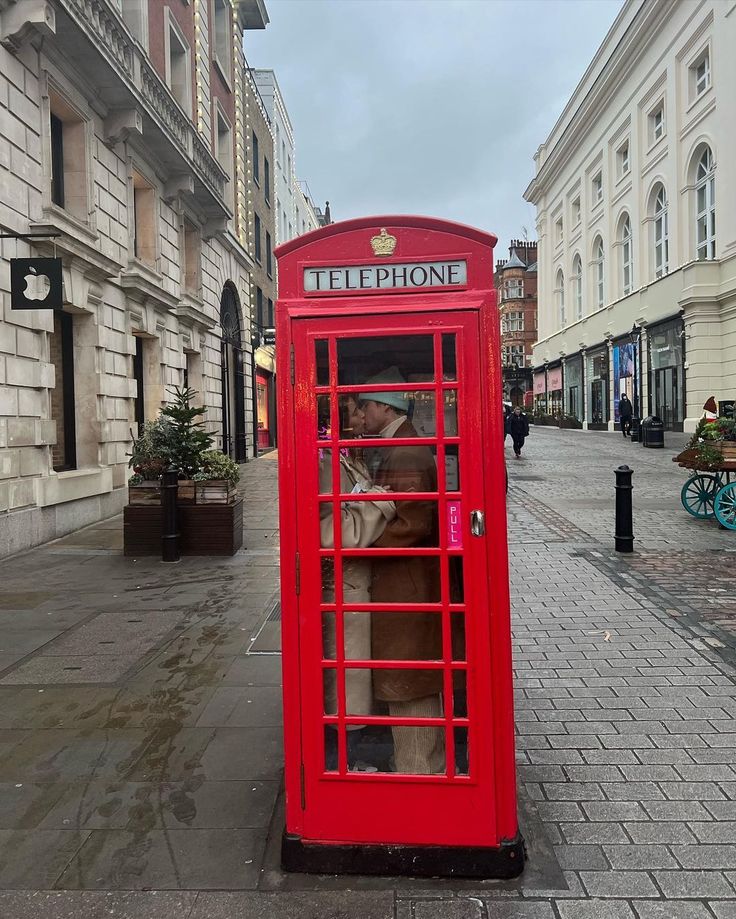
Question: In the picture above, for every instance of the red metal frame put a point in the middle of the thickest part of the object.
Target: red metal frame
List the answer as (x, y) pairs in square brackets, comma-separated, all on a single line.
[(478, 809)]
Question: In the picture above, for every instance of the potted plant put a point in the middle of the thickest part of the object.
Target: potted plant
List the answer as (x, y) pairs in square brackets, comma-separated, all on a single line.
[(216, 478), (188, 440), (149, 458)]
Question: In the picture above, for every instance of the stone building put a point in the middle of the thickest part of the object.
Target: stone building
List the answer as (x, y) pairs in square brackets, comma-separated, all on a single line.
[(516, 281), (634, 190), (262, 211), (122, 130)]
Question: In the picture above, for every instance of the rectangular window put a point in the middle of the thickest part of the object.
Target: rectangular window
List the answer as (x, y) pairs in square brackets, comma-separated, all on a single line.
[(515, 322), (140, 402), (270, 313), (558, 231), (656, 124), (267, 180), (61, 355), (257, 241), (269, 260), (145, 233), (256, 161), (225, 152), (259, 308), (192, 249), (69, 169), (178, 66), (135, 16), (700, 75), (622, 160), (223, 45), (57, 160), (576, 211), (597, 188), (513, 289)]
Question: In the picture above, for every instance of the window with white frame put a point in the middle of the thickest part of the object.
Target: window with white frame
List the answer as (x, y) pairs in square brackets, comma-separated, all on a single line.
[(705, 206), (661, 233), (597, 188), (178, 65), (577, 285), (558, 231), (560, 296), (599, 267), (516, 355), (513, 289), (623, 163), (576, 211), (627, 256), (135, 16), (699, 74), (225, 152), (656, 124), (144, 226), (514, 322)]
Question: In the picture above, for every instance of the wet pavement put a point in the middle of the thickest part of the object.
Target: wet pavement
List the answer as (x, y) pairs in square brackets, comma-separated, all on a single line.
[(140, 737)]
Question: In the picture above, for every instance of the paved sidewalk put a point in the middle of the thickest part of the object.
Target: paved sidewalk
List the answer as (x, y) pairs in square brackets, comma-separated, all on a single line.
[(139, 779)]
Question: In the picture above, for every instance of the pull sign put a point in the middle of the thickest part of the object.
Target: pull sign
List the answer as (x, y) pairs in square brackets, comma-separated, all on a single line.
[(454, 525), (35, 284)]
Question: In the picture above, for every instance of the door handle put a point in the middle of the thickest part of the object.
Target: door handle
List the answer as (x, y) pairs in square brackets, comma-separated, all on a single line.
[(477, 523)]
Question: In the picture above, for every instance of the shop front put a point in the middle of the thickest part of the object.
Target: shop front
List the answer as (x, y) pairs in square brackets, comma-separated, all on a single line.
[(596, 374), (540, 392), (555, 400), (625, 373), (574, 387), (666, 375)]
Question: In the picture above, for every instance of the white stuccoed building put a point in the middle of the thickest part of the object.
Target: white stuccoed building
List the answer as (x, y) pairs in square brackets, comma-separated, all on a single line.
[(635, 190)]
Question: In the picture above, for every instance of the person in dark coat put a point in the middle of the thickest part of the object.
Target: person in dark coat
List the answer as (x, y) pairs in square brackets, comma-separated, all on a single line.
[(517, 425), (625, 411)]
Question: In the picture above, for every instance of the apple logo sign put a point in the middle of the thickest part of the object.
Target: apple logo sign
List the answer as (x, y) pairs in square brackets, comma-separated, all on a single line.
[(38, 286), (35, 283)]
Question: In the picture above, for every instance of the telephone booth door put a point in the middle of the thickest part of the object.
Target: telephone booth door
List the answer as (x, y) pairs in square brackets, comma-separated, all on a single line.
[(397, 717)]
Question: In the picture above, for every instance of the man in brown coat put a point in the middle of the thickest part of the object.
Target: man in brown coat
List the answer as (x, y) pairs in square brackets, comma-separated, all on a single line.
[(406, 579)]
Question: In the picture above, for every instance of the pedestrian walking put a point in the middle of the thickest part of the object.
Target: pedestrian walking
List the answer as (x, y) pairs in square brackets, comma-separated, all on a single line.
[(625, 411), (517, 425)]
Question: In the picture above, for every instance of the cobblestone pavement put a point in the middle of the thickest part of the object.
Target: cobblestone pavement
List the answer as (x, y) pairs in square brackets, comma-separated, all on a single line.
[(156, 786)]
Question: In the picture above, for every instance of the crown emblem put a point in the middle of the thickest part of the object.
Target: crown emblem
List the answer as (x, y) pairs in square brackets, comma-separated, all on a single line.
[(384, 243)]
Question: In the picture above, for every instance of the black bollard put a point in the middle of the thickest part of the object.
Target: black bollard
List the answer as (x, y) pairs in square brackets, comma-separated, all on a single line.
[(624, 517), (169, 515)]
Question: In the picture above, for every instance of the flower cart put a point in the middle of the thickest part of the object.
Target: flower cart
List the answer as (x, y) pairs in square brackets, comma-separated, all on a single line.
[(710, 491)]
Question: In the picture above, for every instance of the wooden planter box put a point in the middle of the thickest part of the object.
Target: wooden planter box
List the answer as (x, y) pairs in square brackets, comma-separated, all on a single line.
[(148, 493), (214, 491), (205, 529)]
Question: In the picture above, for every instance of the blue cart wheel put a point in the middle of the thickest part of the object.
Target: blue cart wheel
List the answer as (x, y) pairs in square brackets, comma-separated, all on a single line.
[(725, 506), (698, 495)]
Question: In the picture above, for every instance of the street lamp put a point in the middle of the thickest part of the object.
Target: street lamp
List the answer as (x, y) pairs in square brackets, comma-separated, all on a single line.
[(635, 339)]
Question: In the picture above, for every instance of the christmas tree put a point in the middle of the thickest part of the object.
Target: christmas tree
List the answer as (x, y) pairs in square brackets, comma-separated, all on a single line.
[(189, 440)]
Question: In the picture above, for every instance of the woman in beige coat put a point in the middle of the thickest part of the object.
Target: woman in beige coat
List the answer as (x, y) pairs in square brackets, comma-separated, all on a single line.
[(362, 523)]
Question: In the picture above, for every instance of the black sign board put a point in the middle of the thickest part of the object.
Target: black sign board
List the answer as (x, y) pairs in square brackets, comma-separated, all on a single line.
[(727, 409), (268, 337), (35, 284)]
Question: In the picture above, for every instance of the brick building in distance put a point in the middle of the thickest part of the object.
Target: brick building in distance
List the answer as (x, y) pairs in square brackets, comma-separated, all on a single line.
[(516, 281)]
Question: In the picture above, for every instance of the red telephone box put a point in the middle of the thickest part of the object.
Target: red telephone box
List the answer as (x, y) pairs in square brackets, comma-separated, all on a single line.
[(398, 712)]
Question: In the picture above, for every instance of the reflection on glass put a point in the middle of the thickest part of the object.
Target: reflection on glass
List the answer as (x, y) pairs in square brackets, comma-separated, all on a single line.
[(449, 363), (321, 353), (405, 579), (450, 399), (324, 458), (462, 753), (409, 750), (422, 413), (359, 360), (452, 467)]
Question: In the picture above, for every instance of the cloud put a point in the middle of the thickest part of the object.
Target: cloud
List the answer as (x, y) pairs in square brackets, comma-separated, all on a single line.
[(427, 106)]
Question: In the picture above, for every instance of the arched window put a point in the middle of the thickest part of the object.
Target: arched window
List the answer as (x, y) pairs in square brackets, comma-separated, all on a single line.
[(598, 264), (627, 258), (705, 206), (560, 296), (577, 285), (661, 233)]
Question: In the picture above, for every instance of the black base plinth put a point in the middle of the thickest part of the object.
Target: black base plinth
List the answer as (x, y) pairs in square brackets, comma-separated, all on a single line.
[(504, 861)]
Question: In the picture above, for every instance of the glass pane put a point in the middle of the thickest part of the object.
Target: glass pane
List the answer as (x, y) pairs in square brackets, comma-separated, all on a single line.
[(359, 645), (327, 570), (449, 362), (405, 579), (457, 627), (450, 399), (331, 748), (322, 361), (461, 751), (452, 467), (457, 589), (409, 750), (383, 523), (324, 418), (459, 694), (329, 683), (328, 635), (391, 358)]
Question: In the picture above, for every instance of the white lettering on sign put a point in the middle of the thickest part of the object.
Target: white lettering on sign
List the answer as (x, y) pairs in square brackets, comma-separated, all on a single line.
[(386, 277)]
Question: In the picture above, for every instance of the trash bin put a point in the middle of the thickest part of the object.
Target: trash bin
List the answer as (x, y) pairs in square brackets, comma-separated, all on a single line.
[(635, 429), (652, 431)]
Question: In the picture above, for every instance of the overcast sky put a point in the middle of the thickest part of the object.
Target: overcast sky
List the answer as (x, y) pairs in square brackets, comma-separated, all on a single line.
[(427, 106)]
